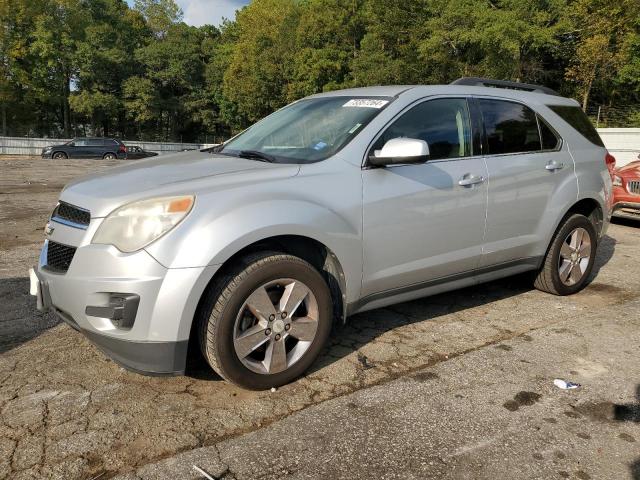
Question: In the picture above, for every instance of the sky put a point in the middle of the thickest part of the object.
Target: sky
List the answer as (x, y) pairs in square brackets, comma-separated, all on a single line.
[(200, 12)]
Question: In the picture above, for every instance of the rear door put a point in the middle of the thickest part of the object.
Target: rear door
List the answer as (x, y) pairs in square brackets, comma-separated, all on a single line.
[(527, 166), (96, 147), (79, 149), (424, 223)]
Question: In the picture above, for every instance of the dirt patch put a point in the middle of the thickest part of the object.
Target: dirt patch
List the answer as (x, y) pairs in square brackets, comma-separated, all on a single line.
[(522, 399)]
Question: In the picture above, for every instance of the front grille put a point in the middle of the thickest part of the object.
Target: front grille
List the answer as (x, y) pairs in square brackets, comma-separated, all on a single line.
[(59, 257), (634, 186), (72, 214)]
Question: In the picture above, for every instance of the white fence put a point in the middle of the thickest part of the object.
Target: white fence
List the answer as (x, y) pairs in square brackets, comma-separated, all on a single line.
[(622, 143), (34, 146)]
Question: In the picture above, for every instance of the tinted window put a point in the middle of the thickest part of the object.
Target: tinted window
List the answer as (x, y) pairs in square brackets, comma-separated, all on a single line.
[(80, 143), (444, 124), (510, 127), (575, 117), (110, 142), (550, 140), (95, 142)]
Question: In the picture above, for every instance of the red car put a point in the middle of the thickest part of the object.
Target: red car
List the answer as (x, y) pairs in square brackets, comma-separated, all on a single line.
[(626, 190)]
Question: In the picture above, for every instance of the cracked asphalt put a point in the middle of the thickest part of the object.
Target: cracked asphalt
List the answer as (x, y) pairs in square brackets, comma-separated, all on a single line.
[(454, 386)]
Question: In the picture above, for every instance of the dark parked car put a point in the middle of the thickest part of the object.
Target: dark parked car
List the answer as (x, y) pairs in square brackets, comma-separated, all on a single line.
[(109, 148), (135, 153)]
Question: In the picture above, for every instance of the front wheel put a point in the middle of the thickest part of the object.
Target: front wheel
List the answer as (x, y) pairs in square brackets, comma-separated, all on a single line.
[(264, 324), (570, 258), (59, 156)]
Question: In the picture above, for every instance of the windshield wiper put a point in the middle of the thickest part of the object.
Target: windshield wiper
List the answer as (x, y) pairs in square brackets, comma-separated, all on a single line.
[(257, 155)]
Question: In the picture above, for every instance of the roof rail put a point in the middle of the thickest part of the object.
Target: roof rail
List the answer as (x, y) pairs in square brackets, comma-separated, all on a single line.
[(489, 82)]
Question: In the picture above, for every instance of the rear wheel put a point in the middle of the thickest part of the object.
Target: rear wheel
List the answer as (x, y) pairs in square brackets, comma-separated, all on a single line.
[(570, 258), (109, 156), (263, 325), (59, 155)]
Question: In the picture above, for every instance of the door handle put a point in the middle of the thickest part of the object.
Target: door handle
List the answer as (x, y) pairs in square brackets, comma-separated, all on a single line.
[(553, 166), (469, 180)]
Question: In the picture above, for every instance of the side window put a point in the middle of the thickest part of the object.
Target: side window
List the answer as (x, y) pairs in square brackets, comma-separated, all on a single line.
[(80, 143), (510, 127), (95, 143), (550, 140), (443, 123), (575, 117)]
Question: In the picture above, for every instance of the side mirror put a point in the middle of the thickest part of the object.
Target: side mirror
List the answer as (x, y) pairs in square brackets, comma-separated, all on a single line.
[(401, 151)]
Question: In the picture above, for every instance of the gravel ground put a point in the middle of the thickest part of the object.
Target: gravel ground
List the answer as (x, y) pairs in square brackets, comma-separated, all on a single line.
[(66, 411)]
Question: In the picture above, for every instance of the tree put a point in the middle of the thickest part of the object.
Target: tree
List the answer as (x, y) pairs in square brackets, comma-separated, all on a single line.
[(602, 28), (389, 49), (258, 75), (160, 14), (328, 38), (105, 59), (57, 31), (173, 70)]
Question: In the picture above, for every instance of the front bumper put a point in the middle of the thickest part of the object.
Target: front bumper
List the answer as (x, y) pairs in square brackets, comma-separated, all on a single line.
[(155, 341), (149, 358)]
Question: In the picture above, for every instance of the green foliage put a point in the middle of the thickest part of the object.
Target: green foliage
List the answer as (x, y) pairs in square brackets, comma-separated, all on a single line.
[(160, 14), (101, 67)]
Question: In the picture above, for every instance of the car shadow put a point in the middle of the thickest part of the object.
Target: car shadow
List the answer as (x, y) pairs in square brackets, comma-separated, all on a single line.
[(20, 320), (626, 221), (606, 250)]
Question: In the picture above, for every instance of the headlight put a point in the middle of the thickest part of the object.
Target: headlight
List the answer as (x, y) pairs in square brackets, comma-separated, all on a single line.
[(617, 181), (134, 226)]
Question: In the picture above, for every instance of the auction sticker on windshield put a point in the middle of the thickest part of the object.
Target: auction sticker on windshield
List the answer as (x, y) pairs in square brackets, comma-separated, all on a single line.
[(366, 103)]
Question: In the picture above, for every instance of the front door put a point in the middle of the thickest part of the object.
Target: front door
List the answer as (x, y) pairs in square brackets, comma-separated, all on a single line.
[(425, 222)]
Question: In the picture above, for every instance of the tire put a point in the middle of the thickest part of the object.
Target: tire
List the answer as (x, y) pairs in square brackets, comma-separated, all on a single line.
[(109, 156), (231, 309), (559, 274), (59, 156)]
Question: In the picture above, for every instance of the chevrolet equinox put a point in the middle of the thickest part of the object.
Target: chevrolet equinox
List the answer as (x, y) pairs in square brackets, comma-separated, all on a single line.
[(338, 203)]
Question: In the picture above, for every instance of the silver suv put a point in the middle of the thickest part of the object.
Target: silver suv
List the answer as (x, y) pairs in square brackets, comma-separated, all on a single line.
[(338, 203)]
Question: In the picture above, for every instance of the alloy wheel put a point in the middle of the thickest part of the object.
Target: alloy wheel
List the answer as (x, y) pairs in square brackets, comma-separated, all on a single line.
[(275, 326), (575, 255)]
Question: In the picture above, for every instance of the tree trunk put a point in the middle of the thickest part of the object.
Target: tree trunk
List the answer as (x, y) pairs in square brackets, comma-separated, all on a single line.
[(585, 95), (66, 117)]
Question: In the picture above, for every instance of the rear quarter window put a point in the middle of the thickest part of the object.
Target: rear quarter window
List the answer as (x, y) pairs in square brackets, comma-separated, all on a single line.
[(575, 117)]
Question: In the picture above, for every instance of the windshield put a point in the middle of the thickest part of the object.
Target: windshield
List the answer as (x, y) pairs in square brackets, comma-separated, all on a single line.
[(306, 131)]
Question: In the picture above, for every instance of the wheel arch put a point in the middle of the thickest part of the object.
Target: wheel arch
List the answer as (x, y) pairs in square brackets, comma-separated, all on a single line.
[(590, 208), (307, 248)]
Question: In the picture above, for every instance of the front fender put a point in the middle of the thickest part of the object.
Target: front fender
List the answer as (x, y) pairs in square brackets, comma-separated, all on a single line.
[(206, 240)]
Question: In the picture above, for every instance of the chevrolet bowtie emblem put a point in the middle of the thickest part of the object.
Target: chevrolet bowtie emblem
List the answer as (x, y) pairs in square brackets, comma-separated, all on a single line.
[(48, 229)]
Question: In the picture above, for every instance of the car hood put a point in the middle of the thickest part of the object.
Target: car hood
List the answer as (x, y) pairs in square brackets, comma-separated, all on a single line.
[(630, 170), (179, 174)]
